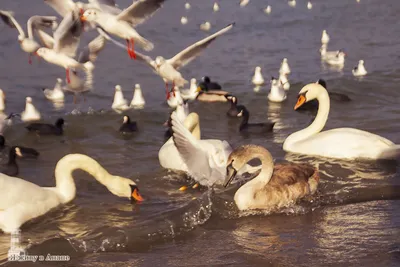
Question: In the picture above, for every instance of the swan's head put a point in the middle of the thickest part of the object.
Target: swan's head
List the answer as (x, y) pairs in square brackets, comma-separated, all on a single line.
[(322, 82), (159, 61), (90, 14), (135, 195), (239, 157), (309, 92)]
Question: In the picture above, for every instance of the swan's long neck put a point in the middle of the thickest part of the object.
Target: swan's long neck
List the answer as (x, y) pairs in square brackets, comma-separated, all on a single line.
[(318, 123), (193, 125), (261, 180), (65, 184)]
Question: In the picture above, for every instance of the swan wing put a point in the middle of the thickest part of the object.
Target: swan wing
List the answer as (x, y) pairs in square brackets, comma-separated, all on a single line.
[(347, 143)]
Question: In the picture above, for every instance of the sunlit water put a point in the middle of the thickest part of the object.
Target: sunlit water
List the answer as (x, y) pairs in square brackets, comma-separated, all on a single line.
[(353, 219)]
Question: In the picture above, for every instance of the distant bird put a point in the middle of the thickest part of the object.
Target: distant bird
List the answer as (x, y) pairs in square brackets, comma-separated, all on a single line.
[(191, 93), (325, 37), (168, 68), (119, 103), (292, 3), (244, 2), (184, 20), (285, 69), (338, 60), (30, 113), (309, 5), (268, 10), (247, 127), (138, 101), (11, 167), (206, 26), (187, 6), (128, 126), (257, 79), (47, 129), (277, 93), (216, 7), (56, 94), (360, 69), (174, 98)]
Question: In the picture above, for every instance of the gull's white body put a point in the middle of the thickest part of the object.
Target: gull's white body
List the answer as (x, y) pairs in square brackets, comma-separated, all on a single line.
[(184, 20), (283, 80), (173, 101), (277, 93), (30, 113), (337, 60), (206, 26), (257, 77), (285, 69), (56, 94), (268, 10), (21, 201), (325, 38), (216, 7), (191, 93), (119, 103), (342, 143), (309, 5), (244, 2), (292, 3), (360, 69), (138, 101)]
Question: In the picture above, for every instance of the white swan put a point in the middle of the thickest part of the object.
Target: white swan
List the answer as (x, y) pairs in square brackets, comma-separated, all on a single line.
[(257, 79), (343, 143), (275, 186), (174, 98), (22, 201), (325, 38), (277, 93), (285, 69), (138, 101), (2, 101), (206, 26), (283, 80), (30, 113), (192, 92), (119, 103), (268, 10), (360, 69), (215, 7), (57, 94), (184, 20)]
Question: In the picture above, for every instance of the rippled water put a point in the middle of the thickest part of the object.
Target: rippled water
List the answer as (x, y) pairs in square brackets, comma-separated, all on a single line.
[(354, 218)]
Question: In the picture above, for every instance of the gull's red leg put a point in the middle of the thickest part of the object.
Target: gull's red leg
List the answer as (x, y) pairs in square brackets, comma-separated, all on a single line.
[(133, 48), (173, 88), (67, 74), (166, 90)]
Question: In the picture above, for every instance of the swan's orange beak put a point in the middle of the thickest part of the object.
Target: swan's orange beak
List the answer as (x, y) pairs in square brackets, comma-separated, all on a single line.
[(300, 101), (136, 195)]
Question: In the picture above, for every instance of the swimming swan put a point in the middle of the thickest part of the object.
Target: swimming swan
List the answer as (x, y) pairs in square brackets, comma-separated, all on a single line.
[(21, 201), (343, 143), (275, 186)]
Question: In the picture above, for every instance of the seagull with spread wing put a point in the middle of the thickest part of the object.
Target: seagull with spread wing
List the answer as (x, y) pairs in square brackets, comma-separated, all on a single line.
[(168, 68), (28, 44), (122, 24)]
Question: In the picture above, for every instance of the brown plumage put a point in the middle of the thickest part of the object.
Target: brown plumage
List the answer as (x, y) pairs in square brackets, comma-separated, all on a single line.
[(275, 186)]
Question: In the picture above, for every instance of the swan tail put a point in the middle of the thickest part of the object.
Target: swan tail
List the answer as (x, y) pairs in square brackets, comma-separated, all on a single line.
[(391, 153)]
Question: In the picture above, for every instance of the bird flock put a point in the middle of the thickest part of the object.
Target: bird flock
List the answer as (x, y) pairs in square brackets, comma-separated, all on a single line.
[(209, 162)]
